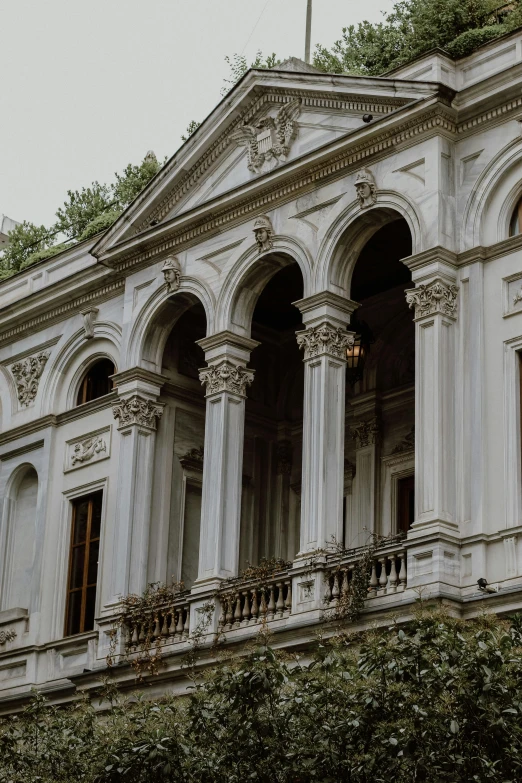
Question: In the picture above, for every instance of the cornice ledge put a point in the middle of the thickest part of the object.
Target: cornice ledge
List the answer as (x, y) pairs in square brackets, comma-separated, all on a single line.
[(329, 162), (481, 253), (326, 298), (9, 436), (227, 338), (428, 257), (138, 374)]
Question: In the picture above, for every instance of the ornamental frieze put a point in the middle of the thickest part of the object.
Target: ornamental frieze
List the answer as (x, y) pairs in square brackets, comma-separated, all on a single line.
[(27, 376), (325, 339), (226, 377), (137, 410), (86, 450), (435, 297)]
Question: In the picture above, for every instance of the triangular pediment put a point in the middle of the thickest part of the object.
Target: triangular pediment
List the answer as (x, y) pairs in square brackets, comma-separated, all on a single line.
[(267, 121)]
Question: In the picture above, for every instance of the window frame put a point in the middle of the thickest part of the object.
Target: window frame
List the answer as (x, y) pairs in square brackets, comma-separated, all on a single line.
[(83, 381)]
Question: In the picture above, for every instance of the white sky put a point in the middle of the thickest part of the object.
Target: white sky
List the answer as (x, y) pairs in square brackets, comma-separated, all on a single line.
[(87, 86)]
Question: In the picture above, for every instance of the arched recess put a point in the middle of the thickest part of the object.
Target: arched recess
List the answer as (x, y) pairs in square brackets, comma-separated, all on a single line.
[(19, 537), (153, 323), (490, 205), (273, 412), (350, 230), (74, 356), (250, 274), (7, 397)]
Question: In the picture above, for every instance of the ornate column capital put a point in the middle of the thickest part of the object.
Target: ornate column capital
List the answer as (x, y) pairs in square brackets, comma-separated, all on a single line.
[(137, 410), (437, 296), (325, 339), (226, 377), (366, 433)]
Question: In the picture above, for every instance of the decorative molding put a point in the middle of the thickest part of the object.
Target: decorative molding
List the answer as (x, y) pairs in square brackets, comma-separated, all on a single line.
[(406, 444), (366, 433), (268, 139), (263, 233), (86, 449), (435, 297), (284, 458), (89, 317), (7, 636), (172, 273), (61, 312), (27, 376), (325, 339), (365, 188), (226, 377), (436, 119), (137, 410), (193, 459)]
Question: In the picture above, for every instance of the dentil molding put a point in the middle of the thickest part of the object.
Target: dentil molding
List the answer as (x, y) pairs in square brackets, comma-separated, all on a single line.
[(435, 297), (365, 433), (226, 377), (325, 339), (27, 376), (137, 410)]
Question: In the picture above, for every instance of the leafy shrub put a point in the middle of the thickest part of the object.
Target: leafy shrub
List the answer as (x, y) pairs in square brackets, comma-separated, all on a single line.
[(467, 42), (100, 223)]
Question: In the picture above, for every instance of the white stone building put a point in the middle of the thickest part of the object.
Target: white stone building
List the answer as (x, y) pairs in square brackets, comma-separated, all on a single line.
[(183, 395)]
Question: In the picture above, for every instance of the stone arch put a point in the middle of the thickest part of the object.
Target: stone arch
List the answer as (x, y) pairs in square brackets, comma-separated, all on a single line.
[(8, 396), (495, 194), (19, 536), (250, 274), (154, 322), (75, 355), (351, 229)]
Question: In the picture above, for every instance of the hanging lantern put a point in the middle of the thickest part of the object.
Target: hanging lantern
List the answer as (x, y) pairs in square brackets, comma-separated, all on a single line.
[(356, 355)]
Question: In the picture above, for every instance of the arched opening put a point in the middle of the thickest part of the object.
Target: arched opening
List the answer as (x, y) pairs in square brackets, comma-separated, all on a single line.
[(273, 425), (515, 224), (96, 382), (379, 444), (179, 451), (20, 555)]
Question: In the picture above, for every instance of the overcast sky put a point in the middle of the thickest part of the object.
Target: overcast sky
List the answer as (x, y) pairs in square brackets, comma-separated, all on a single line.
[(87, 86)]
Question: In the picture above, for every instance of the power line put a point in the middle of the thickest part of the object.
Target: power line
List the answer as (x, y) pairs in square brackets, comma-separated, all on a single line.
[(255, 26)]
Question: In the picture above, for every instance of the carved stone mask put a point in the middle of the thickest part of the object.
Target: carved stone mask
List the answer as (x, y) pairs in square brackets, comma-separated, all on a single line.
[(172, 273)]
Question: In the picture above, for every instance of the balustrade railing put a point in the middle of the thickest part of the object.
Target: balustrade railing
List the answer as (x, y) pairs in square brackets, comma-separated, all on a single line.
[(387, 574), (163, 625), (250, 604)]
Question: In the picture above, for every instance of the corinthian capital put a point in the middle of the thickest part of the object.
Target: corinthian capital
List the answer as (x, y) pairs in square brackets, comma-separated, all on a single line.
[(325, 339), (365, 433), (226, 377), (435, 297), (137, 410)]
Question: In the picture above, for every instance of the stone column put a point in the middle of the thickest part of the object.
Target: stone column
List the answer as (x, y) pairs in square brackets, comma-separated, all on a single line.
[(365, 500), (226, 379), (434, 300), (324, 342), (137, 412)]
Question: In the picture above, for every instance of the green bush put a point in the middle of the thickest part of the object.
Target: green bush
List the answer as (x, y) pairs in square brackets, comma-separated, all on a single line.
[(467, 42), (100, 223), (42, 255), (436, 700)]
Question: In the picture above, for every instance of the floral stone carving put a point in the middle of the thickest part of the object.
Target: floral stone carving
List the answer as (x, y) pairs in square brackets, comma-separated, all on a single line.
[(172, 273), (366, 188), (406, 444), (7, 636), (136, 410), (268, 140), (434, 297), (226, 377), (365, 433), (86, 449), (325, 339), (27, 376)]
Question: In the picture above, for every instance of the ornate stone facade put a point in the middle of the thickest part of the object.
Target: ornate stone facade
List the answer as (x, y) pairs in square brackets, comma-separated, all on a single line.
[(435, 297), (366, 189), (89, 318), (172, 273), (268, 139), (226, 377), (366, 433), (325, 339), (27, 376), (86, 449), (263, 233), (138, 411), (7, 636)]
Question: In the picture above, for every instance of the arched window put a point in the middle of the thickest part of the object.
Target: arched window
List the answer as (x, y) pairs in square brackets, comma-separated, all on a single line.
[(515, 227), (96, 382)]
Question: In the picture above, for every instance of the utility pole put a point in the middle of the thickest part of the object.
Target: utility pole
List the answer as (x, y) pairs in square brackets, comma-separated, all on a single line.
[(308, 30)]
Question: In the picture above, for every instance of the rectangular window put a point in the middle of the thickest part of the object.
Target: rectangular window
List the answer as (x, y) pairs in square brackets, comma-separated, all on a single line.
[(83, 563), (405, 503)]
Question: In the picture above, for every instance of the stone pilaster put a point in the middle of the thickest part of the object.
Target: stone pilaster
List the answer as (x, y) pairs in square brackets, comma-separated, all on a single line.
[(324, 342), (137, 413), (365, 501), (434, 301), (226, 379)]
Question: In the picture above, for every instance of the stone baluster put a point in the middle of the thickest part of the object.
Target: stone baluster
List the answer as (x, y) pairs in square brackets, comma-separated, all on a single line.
[(271, 603), (226, 379), (335, 588), (393, 578), (344, 586), (324, 342), (179, 625), (373, 578), (255, 607), (262, 607), (402, 571), (280, 605), (157, 627), (186, 624), (246, 608), (288, 599), (237, 611), (229, 614), (383, 578), (221, 618), (134, 638), (164, 626)]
